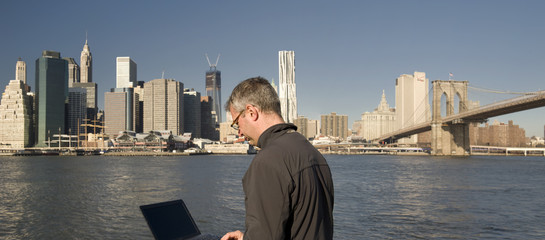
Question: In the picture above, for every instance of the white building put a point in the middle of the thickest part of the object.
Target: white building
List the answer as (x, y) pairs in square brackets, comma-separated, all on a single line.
[(73, 72), (86, 61), (20, 71), (286, 86), (379, 122), (125, 72), (15, 116), (412, 102)]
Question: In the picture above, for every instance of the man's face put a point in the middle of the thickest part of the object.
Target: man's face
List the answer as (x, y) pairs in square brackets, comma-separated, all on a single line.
[(240, 123)]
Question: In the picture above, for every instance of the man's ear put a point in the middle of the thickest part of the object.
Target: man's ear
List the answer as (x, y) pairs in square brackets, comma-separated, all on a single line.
[(252, 112)]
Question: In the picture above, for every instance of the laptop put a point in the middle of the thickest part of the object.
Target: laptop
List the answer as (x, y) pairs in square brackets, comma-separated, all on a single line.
[(171, 220)]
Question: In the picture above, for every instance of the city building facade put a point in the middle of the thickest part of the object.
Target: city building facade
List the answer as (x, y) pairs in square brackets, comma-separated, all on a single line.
[(226, 133), (213, 90), (73, 71), (51, 96), (412, 102), (125, 72), (21, 74), (163, 106), (286, 86), (91, 93), (333, 125), (119, 111), (209, 128), (313, 128), (379, 122), (302, 123), (192, 112), (16, 128), (77, 110), (86, 61), (498, 134), (20, 71), (307, 127), (139, 106)]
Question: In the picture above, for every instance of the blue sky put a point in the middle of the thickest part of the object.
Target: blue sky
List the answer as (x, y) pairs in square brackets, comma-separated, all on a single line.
[(346, 52)]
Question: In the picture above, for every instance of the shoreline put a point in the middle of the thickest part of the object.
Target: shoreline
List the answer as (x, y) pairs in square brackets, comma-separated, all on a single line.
[(157, 154)]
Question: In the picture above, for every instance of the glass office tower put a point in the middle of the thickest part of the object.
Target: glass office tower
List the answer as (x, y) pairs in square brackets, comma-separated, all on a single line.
[(51, 96), (213, 89)]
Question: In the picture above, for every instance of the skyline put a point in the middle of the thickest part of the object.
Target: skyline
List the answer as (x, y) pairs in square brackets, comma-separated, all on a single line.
[(362, 47)]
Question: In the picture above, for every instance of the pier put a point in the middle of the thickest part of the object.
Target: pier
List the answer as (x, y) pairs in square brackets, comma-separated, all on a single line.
[(507, 151)]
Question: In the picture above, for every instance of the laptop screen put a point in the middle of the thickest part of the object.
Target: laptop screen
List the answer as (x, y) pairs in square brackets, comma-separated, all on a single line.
[(170, 220)]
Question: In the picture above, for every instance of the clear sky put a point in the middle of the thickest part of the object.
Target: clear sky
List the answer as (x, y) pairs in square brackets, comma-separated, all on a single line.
[(346, 52)]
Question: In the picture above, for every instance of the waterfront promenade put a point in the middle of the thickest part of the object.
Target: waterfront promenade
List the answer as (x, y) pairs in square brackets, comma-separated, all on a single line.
[(222, 149)]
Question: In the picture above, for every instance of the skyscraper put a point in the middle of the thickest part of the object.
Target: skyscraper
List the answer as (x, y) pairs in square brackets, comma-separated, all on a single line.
[(412, 102), (139, 107), (20, 71), (125, 72), (16, 116), (163, 106), (73, 71), (20, 74), (51, 95), (77, 110), (286, 86), (91, 101), (208, 126), (86, 62), (213, 89), (119, 111), (86, 81), (192, 112)]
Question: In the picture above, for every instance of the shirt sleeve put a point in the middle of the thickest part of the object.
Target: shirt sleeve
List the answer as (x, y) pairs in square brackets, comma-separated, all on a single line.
[(267, 191)]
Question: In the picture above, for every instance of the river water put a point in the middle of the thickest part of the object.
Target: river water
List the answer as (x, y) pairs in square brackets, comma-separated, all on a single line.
[(376, 196)]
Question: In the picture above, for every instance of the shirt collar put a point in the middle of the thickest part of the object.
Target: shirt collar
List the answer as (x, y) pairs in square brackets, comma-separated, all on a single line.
[(273, 132)]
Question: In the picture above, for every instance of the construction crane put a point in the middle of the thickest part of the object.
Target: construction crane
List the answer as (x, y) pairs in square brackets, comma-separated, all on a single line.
[(209, 64)]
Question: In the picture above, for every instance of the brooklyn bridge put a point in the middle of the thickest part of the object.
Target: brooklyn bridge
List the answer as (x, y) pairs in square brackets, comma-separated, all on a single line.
[(450, 133)]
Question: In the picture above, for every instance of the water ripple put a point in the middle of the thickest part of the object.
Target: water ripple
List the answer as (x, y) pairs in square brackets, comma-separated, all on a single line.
[(376, 197)]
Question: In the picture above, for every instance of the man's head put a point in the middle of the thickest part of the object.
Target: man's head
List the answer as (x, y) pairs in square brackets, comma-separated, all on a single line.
[(254, 106), (256, 91)]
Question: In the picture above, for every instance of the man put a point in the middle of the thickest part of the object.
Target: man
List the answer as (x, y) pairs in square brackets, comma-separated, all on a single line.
[(288, 185)]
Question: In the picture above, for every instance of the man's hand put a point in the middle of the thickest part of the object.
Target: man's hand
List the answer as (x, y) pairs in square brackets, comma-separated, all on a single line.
[(236, 235)]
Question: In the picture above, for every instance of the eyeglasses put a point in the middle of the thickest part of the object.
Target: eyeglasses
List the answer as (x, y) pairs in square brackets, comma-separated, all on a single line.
[(234, 125)]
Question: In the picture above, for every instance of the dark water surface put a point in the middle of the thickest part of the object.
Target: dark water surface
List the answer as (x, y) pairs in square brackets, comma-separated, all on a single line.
[(376, 197)]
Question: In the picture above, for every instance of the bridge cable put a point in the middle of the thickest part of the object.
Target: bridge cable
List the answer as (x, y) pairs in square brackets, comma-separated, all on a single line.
[(502, 92)]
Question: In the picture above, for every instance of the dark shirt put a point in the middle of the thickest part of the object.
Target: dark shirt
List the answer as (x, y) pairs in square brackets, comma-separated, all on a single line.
[(288, 188)]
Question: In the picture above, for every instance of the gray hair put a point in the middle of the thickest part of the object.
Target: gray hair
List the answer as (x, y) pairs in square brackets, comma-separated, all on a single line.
[(256, 91)]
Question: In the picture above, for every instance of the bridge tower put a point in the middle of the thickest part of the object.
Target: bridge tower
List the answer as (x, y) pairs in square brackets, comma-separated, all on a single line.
[(449, 138)]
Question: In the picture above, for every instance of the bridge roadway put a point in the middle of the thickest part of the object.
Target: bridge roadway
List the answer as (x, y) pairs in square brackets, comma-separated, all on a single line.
[(521, 103)]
